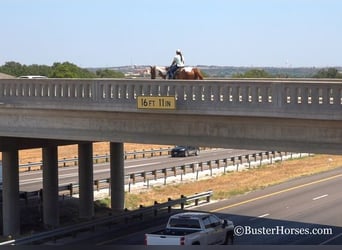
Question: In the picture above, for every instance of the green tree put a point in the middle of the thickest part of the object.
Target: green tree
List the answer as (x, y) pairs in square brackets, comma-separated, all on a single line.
[(69, 70), (107, 73), (328, 73), (13, 68), (253, 73)]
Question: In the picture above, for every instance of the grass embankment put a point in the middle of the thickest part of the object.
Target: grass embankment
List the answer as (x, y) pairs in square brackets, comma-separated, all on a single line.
[(235, 183)]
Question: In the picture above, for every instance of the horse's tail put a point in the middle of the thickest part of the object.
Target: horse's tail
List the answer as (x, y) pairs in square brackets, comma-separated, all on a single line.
[(198, 74)]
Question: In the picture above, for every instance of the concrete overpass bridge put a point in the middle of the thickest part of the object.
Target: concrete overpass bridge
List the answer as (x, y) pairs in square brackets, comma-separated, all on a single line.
[(271, 114)]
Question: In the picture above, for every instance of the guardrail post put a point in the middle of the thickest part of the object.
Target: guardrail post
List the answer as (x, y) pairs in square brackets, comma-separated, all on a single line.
[(201, 166), (281, 155), (182, 202), (132, 177), (192, 166), (196, 201), (164, 171), (154, 173), (97, 185), (71, 189), (174, 169), (232, 159), (183, 167), (208, 198), (268, 155), (225, 161), (210, 168), (240, 159), (169, 207), (248, 161), (261, 157), (217, 162), (196, 166), (255, 157), (155, 209)]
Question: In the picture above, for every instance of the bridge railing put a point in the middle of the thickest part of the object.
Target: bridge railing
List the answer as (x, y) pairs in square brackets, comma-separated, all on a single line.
[(271, 97)]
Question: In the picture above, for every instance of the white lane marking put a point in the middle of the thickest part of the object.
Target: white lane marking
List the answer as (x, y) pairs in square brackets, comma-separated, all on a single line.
[(319, 197), (31, 180), (260, 216), (145, 164), (331, 239)]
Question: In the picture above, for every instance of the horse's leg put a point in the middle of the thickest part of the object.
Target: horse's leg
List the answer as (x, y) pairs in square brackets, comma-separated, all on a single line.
[(198, 74)]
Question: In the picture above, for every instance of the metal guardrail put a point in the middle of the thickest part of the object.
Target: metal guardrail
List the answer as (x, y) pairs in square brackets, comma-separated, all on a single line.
[(99, 158), (181, 170), (125, 217), (201, 166)]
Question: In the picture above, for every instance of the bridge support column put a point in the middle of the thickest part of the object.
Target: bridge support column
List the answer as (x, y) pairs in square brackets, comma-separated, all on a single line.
[(86, 180), (10, 193), (117, 176), (50, 187)]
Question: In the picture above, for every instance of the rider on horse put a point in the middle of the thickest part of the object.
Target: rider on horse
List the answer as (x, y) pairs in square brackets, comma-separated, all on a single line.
[(178, 62)]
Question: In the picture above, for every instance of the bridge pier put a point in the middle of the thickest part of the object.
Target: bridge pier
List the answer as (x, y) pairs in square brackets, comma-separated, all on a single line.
[(86, 179), (50, 187), (117, 176), (10, 193)]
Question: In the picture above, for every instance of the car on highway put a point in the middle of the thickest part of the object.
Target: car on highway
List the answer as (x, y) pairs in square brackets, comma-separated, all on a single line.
[(184, 151), (32, 77)]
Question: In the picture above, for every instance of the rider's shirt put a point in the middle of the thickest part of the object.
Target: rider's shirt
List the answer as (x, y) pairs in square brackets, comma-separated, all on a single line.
[(178, 61)]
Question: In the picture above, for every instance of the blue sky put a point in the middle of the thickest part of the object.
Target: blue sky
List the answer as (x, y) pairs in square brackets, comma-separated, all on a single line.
[(104, 33)]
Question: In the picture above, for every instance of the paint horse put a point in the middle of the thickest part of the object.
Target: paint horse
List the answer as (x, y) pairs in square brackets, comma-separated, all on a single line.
[(188, 73)]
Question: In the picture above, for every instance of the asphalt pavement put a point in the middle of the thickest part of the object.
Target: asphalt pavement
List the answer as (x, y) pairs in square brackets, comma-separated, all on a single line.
[(303, 211)]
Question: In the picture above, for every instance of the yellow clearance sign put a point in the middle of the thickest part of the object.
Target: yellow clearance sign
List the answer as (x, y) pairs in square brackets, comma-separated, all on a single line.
[(156, 102)]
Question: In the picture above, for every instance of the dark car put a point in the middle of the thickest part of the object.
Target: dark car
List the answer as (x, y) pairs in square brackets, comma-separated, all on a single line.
[(184, 151)]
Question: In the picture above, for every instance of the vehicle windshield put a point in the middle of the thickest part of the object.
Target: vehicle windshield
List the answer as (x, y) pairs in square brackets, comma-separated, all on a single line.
[(188, 223)]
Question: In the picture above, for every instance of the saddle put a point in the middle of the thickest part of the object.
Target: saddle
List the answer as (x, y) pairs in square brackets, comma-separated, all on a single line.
[(185, 69)]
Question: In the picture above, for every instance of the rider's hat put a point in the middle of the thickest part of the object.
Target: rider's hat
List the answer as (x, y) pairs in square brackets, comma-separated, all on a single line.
[(178, 51)]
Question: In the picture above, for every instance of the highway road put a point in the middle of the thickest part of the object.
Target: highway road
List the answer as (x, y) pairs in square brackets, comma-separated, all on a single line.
[(305, 210), (32, 181)]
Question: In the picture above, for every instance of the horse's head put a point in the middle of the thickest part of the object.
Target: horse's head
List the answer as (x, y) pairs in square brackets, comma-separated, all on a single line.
[(158, 71), (153, 72)]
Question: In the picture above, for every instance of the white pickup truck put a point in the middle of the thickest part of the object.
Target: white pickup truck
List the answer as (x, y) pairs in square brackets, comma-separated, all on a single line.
[(193, 228)]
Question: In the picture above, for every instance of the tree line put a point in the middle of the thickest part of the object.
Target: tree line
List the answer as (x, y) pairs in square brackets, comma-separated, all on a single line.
[(70, 70), (261, 73), (57, 70)]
